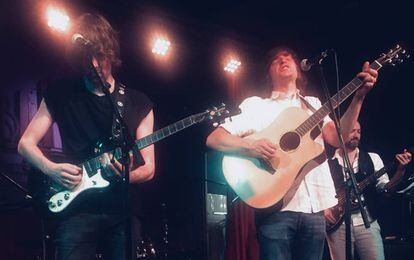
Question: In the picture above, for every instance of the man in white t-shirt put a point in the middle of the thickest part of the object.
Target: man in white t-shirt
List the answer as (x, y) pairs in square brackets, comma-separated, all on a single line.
[(298, 230)]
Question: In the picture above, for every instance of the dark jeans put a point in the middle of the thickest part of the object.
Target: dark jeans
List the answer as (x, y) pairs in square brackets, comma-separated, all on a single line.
[(292, 235), (79, 236)]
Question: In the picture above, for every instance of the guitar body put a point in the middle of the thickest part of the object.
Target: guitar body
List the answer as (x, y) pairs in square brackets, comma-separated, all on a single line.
[(296, 156), (63, 198), (338, 213), (51, 197)]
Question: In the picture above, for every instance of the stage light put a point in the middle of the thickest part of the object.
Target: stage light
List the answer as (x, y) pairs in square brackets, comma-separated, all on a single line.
[(232, 66), (161, 46), (57, 19)]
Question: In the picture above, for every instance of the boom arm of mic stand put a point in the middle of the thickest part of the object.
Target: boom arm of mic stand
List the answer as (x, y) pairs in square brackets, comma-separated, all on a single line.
[(20, 187)]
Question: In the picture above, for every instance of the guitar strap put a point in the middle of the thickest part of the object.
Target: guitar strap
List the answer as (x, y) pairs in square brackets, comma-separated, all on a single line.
[(307, 104), (119, 98)]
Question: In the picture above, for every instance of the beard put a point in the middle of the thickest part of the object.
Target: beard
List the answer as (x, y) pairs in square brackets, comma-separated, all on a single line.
[(352, 144)]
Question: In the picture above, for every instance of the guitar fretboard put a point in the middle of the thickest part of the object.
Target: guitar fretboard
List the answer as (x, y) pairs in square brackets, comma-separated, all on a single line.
[(373, 177), (93, 165), (165, 132), (336, 100)]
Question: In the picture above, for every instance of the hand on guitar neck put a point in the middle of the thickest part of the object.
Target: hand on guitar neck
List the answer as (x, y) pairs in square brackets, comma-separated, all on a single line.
[(402, 159), (369, 77), (112, 167)]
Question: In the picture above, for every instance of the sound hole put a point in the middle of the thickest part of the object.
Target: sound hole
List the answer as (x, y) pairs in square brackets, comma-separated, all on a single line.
[(289, 141)]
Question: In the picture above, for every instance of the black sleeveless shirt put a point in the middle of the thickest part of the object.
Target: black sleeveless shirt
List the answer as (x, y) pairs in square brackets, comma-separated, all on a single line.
[(83, 119)]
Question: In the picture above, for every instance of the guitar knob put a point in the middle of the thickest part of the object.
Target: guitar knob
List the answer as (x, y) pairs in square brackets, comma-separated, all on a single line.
[(59, 203), (52, 205), (66, 196)]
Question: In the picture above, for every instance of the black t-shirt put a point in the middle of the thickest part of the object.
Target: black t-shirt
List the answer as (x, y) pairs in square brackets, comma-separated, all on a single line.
[(84, 119)]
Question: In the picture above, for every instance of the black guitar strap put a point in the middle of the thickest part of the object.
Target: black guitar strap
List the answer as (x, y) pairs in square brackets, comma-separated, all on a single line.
[(119, 98), (307, 104)]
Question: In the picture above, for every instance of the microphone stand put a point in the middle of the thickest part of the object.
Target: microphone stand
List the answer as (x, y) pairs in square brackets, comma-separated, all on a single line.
[(127, 143), (351, 183)]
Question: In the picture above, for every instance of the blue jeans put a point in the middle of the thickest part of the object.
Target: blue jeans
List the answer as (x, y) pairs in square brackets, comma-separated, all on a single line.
[(292, 235), (78, 237)]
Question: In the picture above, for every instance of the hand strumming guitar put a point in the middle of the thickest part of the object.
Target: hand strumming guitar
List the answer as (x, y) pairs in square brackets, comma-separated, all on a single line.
[(261, 148), (65, 174)]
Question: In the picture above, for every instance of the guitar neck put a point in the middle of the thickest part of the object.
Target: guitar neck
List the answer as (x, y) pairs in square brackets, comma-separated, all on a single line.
[(374, 176), (336, 100), (96, 163), (166, 131)]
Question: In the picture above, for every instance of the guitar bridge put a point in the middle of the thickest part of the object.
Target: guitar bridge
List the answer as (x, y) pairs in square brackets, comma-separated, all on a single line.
[(267, 166)]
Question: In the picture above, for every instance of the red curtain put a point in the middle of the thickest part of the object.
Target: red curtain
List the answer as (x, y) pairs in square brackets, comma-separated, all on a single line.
[(241, 240)]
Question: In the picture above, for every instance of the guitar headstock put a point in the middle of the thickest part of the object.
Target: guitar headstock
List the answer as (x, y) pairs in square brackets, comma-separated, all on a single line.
[(214, 113), (393, 57)]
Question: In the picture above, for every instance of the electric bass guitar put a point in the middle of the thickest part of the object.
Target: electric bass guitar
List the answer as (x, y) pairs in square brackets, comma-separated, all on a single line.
[(58, 198), (338, 211), (263, 185)]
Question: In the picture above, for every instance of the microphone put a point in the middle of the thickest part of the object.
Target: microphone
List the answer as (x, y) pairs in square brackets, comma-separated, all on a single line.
[(306, 64), (78, 38)]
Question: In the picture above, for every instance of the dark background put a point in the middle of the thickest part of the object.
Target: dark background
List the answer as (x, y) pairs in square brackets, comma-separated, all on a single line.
[(201, 32)]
